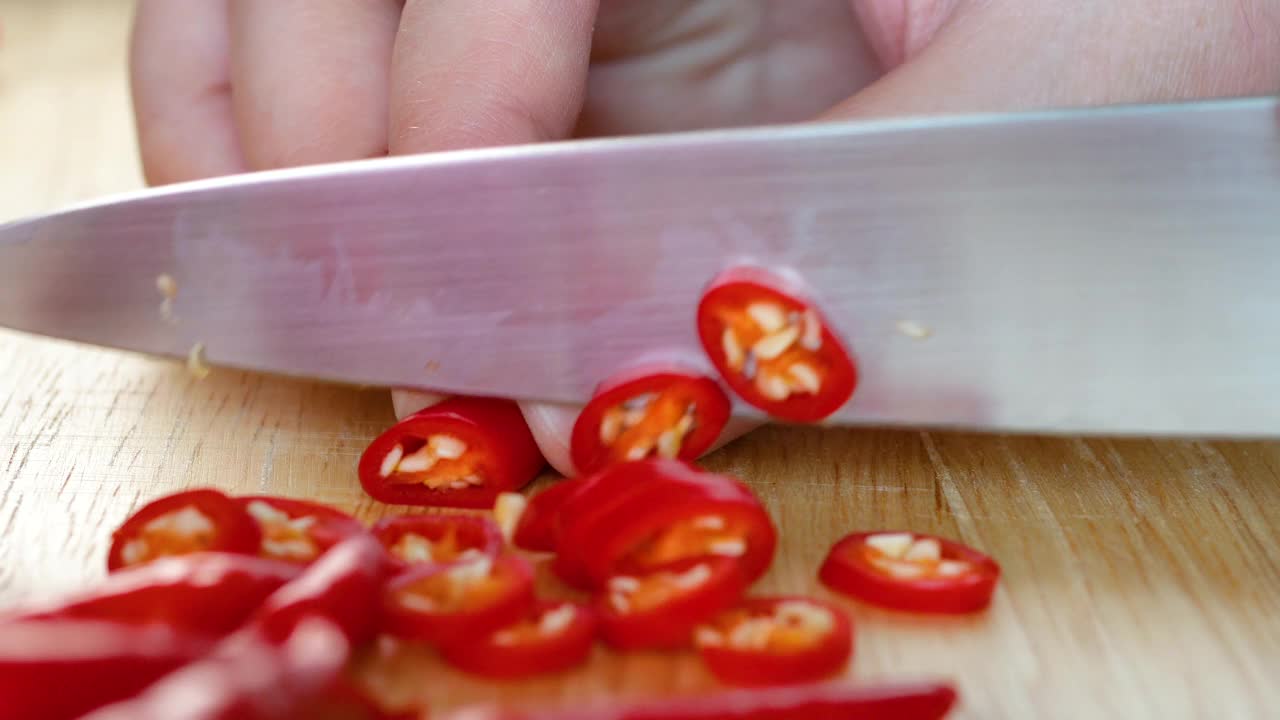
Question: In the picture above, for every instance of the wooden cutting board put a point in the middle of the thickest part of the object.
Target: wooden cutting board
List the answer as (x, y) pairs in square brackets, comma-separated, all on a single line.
[(1141, 577)]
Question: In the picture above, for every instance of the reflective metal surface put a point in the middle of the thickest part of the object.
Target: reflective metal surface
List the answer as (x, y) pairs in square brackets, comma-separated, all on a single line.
[(1110, 271)]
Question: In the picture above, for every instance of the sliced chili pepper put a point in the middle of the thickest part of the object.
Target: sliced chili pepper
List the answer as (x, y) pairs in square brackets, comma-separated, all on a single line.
[(657, 513), (440, 604), (909, 571), (344, 586), (438, 539), (247, 677), (661, 609), (297, 530), (830, 701), (461, 453), (183, 523), (776, 641), (553, 637), (655, 411), (773, 347), (205, 593), (56, 669), (538, 527)]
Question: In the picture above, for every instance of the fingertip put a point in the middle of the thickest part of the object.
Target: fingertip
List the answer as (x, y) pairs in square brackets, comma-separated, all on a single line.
[(408, 402), (552, 428)]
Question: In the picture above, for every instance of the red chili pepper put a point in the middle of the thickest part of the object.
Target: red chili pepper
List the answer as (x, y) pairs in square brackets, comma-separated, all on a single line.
[(773, 347), (661, 609), (296, 530), (833, 701), (247, 677), (56, 669), (656, 411), (908, 571), (187, 522), (776, 641), (553, 637), (441, 604), (438, 539), (205, 593), (538, 528), (637, 517), (459, 453), (344, 586)]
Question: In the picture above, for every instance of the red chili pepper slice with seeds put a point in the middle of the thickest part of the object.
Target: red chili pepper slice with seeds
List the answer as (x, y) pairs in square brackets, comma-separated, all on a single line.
[(438, 539), (910, 571), (663, 411), (661, 609), (554, 637), (440, 604), (298, 531), (343, 585), (773, 346), (194, 521), (638, 517), (459, 453), (776, 641)]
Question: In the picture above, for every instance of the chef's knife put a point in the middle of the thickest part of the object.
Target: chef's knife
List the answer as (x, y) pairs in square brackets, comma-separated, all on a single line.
[(1110, 270)]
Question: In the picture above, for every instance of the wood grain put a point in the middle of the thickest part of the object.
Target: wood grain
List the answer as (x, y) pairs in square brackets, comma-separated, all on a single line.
[(1141, 578)]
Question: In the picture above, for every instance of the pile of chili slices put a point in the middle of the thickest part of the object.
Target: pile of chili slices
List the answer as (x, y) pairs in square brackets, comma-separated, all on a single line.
[(255, 607)]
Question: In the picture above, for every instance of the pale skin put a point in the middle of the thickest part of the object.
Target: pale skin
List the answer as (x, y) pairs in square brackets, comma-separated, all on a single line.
[(225, 86)]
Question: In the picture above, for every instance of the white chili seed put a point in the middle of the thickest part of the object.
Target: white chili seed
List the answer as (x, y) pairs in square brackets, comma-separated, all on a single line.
[(732, 349), (669, 443), (769, 316), (391, 461), (728, 548), (913, 329), (611, 426), (134, 551), (804, 378), (620, 602), (555, 621), (196, 366), (924, 550), (447, 447), (951, 568), (771, 346), (773, 387), (693, 577), (507, 510), (639, 402), (812, 339), (706, 637), (624, 584), (420, 461), (709, 522), (895, 545)]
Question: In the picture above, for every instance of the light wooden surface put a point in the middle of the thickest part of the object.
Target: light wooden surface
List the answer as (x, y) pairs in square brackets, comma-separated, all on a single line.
[(1141, 578)]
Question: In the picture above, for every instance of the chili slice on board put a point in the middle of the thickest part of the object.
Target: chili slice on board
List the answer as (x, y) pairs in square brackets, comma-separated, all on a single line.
[(204, 593), (776, 641), (60, 669), (553, 637), (773, 346), (439, 604), (655, 411), (909, 571), (538, 527), (660, 610), (829, 701), (459, 453), (246, 677), (343, 586), (297, 530), (187, 522), (635, 518), (437, 539)]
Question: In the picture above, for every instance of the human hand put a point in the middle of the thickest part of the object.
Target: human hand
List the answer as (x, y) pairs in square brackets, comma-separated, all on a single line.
[(223, 86)]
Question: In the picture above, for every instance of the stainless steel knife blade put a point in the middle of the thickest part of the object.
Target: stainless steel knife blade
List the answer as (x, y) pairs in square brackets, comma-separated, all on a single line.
[(1109, 270)]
